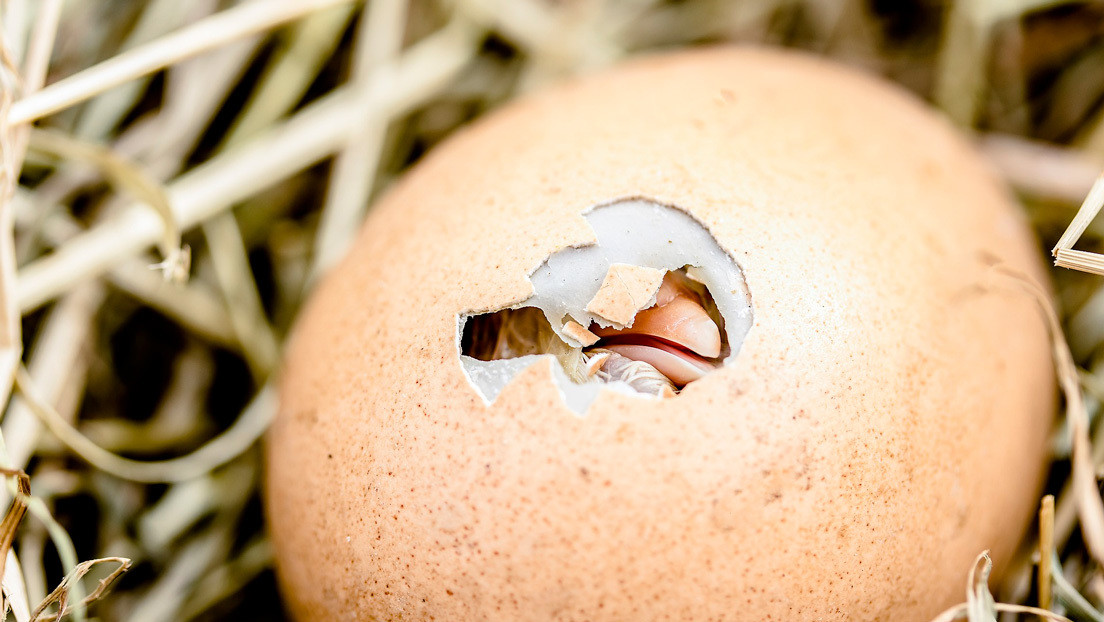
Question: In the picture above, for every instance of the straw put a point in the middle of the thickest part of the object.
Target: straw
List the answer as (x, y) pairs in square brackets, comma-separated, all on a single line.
[(256, 133)]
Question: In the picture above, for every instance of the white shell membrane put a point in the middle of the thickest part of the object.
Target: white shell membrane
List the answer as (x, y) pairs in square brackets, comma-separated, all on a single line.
[(633, 231)]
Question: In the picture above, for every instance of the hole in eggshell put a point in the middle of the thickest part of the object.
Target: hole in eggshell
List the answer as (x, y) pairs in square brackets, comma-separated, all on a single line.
[(674, 339), (653, 305)]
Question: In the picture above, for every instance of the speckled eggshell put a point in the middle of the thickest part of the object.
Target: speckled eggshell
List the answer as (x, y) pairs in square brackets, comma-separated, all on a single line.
[(884, 422)]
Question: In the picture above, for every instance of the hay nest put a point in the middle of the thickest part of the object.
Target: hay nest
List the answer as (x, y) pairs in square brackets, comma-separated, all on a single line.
[(234, 147)]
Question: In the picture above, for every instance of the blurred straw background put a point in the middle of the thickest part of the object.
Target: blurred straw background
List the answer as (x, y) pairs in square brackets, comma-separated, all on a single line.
[(234, 146)]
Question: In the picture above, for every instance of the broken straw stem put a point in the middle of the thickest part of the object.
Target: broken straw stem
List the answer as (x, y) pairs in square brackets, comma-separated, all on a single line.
[(1063, 252), (1079, 260)]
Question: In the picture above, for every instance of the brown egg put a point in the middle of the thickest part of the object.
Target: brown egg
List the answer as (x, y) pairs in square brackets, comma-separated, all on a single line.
[(874, 416)]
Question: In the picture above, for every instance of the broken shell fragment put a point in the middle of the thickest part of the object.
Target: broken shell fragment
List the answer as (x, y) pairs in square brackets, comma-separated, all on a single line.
[(625, 290), (594, 362), (578, 333)]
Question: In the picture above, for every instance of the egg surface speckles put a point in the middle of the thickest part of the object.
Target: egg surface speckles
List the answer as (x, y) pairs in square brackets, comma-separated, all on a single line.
[(882, 422)]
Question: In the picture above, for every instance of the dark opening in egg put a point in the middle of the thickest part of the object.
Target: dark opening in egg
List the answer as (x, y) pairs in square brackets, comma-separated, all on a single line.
[(650, 305), (676, 338)]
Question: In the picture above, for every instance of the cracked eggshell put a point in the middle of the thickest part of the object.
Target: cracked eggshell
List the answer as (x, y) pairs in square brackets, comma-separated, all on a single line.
[(884, 421), (625, 290)]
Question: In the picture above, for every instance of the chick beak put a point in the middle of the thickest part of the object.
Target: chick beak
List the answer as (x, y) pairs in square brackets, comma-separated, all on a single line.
[(682, 321), (676, 335)]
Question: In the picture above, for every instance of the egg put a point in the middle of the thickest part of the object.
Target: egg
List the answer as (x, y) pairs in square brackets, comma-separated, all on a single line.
[(714, 335)]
